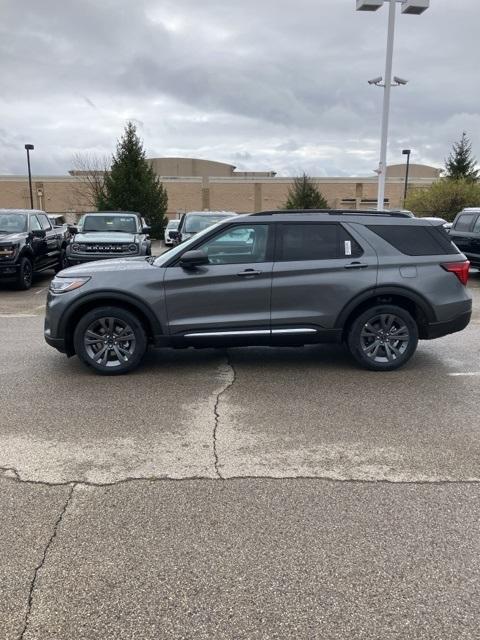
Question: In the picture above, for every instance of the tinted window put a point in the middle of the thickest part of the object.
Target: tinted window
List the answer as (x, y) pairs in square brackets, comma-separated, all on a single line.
[(242, 244), (45, 222), (476, 228), (316, 242), (464, 222), (416, 240), (34, 224), (199, 222), (13, 222)]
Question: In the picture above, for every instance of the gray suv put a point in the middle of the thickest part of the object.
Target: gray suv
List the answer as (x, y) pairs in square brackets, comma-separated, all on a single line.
[(376, 281)]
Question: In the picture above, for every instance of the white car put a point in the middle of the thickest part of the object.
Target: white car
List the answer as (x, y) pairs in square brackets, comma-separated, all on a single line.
[(171, 226)]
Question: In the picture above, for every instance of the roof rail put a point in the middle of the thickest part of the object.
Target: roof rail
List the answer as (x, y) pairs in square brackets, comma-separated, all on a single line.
[(337, 212)]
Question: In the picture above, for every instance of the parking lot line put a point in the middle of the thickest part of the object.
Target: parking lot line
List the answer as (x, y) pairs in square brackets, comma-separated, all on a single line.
[(466, 373)]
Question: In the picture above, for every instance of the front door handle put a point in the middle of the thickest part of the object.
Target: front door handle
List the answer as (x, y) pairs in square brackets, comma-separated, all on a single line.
[(356, 265), (249, 272)]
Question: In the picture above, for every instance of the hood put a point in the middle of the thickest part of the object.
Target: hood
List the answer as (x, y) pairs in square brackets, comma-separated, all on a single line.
[(120, 264), (11, 237), (105, 236)]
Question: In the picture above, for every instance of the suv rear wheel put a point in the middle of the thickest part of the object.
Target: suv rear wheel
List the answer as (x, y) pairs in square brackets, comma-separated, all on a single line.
[(383, 338), (111, 340)]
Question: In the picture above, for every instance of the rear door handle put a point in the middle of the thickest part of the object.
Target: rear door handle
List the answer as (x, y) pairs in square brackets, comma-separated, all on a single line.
[(356, 265), (249, 272)]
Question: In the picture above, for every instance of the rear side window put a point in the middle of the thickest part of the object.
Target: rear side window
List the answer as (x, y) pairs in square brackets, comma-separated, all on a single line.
[(45, 222), (464, 222), (416, 240), (316, 242)]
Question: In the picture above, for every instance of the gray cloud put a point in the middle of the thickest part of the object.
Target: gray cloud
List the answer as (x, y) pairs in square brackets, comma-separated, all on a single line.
[(265, 85)]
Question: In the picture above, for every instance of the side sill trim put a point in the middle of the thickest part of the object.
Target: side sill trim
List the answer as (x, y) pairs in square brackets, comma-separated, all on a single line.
[(264, 332)]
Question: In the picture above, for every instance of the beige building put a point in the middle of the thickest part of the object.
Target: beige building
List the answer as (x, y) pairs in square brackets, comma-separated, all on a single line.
[(195, 185)]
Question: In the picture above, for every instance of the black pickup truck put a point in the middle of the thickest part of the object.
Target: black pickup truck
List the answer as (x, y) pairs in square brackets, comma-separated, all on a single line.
[(28, 244)]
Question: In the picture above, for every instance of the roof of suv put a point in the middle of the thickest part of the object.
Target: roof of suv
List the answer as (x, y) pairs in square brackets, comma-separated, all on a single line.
[(366, 216), (112, 213), (22, 211)]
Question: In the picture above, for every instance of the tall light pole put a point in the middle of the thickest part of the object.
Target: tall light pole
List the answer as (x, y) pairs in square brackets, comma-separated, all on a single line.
[(415, 7), (406, 152), (29, 147)]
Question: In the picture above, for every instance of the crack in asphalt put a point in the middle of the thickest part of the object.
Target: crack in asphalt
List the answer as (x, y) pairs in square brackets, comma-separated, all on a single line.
[(14, 476), (216, 413), (42, 561)]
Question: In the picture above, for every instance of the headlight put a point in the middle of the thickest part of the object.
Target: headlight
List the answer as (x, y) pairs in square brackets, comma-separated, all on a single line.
[(132, 248), (62, 285), (7, 251)]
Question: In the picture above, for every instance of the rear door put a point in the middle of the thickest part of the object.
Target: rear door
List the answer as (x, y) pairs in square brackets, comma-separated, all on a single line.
[(229, 297), (475, 242), (319, 267), (52, 253)]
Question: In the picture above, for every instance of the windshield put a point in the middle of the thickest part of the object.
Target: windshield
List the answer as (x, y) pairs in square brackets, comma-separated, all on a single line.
[(122, 224), (172, 224), (13, 222), (197, 222)]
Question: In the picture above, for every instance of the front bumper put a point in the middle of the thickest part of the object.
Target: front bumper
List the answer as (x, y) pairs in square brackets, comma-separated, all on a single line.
[(8, 270)]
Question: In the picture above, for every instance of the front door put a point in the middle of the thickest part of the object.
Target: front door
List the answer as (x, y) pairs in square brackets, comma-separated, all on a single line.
[(228, 299), (319, 268)]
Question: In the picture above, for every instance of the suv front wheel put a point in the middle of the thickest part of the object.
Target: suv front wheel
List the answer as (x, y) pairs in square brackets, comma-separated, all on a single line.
[(111, 340), (383, 338)]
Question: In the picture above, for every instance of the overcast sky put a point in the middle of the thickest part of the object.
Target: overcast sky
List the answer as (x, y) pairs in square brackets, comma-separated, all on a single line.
[(263, 84)]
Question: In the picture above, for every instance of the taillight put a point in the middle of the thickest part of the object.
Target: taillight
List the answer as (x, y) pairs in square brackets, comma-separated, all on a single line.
[(460, 269)]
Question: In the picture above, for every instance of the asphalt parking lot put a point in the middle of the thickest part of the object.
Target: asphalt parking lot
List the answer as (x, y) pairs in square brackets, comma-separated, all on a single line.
[(248, 493)]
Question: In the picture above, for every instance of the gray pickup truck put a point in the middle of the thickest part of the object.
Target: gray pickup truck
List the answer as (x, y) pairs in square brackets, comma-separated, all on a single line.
[(109, 234)]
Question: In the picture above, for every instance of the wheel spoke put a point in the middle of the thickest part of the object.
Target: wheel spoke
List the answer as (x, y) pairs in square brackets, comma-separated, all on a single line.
[(389, 353), (372, 349), (102, 355), (387, 321)]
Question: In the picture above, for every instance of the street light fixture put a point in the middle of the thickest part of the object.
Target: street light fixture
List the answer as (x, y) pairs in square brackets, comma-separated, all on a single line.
[(29, 147), (415, 7), (406, 152)]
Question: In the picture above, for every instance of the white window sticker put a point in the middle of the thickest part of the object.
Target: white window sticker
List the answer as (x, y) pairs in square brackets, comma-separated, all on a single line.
[(348, 247)]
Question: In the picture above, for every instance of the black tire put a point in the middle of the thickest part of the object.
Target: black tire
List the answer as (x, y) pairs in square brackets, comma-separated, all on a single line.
[(121, 343), (383, 338), (25, 274), (62, 261)]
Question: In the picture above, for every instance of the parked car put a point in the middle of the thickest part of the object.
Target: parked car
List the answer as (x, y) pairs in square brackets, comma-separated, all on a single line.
[(108, 234), (193, 222), (376, 281), (29, 244), (170, 230), (465, 233)]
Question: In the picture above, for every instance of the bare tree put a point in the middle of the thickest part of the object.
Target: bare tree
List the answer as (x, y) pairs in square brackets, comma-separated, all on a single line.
[(90, 171)]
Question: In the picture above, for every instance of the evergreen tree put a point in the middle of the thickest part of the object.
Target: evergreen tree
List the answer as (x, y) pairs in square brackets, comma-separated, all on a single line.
[(460, 163), (304, 194), (132, 185)]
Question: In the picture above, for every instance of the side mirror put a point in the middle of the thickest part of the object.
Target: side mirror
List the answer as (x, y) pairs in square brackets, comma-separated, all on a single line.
[(195, 258), (72, 229), (39, 233), (146, 228)]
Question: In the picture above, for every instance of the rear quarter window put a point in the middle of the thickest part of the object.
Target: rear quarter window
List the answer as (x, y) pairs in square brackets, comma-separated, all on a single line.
[(464, 222), (304, 241), (416, 240)]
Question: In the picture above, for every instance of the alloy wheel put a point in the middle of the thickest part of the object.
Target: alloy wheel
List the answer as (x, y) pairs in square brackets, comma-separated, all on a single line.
[(109, 342), (384, 338)]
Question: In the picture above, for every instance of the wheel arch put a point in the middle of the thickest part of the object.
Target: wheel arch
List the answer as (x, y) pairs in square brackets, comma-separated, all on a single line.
[(146, 316), (411, 301)]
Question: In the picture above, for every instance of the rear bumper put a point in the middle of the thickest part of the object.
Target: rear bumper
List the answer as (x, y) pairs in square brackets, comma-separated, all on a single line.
[(439, 329)]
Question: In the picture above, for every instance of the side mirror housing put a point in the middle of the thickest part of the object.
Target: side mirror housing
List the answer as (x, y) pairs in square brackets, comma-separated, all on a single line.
[(73, 229), (39, 233), (192, 259), (146, 228)]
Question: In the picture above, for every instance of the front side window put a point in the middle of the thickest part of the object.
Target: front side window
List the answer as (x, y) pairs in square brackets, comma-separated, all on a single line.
[(316, 242), (119, 224), (34, 224), (238, 245), (464, 222), (476, 228), (45, 222)]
